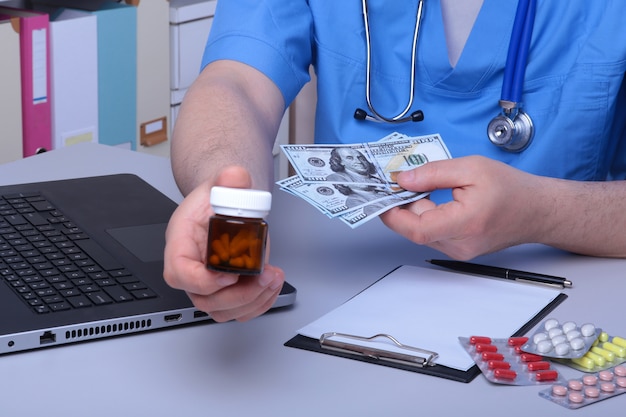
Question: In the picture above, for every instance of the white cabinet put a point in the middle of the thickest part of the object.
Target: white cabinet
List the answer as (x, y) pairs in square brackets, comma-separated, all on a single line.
[(190, 24), (153, 74)]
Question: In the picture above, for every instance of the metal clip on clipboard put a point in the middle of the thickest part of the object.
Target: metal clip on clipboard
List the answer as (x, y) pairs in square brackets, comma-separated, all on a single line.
[(378, 354)]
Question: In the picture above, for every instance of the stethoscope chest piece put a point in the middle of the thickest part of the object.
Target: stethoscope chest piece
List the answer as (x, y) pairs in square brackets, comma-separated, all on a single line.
[(511, 134), (513, 130)]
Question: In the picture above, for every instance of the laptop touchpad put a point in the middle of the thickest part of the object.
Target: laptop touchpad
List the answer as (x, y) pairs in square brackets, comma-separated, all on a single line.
[(147, 242)]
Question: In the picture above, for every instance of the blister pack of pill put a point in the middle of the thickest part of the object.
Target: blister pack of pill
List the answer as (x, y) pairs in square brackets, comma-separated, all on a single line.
[(605, 353), (503, 362), (589, 389), (564, 341)]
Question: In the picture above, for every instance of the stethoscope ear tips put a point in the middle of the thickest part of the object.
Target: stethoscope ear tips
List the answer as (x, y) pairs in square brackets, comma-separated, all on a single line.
[(360, 114), (417, 116)]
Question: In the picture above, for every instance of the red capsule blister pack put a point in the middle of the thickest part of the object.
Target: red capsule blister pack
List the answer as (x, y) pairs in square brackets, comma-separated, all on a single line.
[(605, 353), (589, 389), (503, 362), (562, 340)]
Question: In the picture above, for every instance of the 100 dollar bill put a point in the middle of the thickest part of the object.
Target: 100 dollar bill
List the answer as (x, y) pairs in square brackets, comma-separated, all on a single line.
[(364, 163), (404, 154), (337, 200), (357, 182)]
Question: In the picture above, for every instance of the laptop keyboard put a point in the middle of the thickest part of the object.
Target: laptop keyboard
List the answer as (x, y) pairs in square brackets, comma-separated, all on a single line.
[(53, 265)]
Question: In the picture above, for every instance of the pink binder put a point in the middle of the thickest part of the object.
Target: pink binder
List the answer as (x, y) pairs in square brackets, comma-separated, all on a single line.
[(34, 31)]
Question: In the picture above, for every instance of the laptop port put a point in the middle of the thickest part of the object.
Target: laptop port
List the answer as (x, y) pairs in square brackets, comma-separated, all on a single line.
[(199, 314), (47, 337), (173, 317)]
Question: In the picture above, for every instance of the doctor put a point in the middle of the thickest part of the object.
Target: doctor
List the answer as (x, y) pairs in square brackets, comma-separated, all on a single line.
[(447, 59)]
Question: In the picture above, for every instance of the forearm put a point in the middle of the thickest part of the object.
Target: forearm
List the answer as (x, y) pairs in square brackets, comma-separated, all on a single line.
[(229, 116), (585, 217)]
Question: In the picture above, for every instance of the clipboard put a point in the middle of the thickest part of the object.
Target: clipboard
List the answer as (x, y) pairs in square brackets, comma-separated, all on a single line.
[(386, 349)]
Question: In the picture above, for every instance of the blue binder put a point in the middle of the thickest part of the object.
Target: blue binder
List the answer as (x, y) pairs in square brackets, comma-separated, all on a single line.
[(117, 74)]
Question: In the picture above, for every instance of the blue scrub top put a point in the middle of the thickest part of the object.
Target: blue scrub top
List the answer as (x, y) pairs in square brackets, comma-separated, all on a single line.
[(572, 90)]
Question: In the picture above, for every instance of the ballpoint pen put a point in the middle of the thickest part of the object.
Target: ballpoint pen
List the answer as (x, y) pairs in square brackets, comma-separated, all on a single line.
[(504, 273)]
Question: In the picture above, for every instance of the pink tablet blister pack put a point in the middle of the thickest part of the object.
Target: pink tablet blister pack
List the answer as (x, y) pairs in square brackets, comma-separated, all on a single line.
[(606, 352), (503, 362), (564, 341), (589, 389)]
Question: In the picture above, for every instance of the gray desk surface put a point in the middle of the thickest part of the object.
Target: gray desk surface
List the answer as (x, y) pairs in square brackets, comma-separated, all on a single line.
[(243, 369)]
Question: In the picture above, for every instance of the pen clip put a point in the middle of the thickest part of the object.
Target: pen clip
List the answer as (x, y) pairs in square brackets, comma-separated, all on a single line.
[(548, 284), (376, 353)]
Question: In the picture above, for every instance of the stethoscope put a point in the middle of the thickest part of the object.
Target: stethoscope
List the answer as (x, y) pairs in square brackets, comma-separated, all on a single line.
[(512, 129)]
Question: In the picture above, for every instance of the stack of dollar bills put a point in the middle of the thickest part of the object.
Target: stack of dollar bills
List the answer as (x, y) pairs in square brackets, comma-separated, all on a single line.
[(357, 182)]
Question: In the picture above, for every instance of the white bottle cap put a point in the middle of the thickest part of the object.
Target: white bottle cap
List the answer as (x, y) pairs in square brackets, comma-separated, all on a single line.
[(241, 202)]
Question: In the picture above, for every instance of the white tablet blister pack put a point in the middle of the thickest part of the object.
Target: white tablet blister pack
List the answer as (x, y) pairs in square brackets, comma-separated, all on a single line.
[(564, 341)]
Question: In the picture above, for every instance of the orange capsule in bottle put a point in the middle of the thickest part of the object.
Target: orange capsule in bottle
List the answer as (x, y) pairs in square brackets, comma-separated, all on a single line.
[(238, 230)]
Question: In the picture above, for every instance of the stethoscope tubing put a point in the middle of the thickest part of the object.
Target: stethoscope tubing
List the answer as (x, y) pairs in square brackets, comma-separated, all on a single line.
[(519, 47), (368, 85)]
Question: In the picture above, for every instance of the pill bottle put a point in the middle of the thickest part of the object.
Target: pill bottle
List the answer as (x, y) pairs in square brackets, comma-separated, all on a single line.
[(238, 230)]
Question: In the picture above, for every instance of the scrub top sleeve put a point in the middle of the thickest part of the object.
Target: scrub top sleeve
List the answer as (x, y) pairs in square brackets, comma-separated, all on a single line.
[(273, 36)]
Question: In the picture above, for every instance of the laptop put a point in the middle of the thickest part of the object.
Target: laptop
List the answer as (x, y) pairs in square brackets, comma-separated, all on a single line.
[(82, 259)]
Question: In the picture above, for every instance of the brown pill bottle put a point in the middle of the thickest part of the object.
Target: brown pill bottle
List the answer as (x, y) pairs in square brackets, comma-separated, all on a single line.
[(238, 230)]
